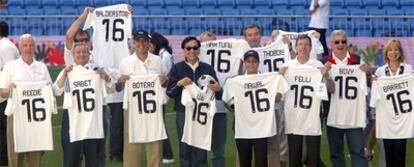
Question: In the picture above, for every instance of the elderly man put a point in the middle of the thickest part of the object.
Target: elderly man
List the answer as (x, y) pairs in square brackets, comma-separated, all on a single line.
[(30, 70)]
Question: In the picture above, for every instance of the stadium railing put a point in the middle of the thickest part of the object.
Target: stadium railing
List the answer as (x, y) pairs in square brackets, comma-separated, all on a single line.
[(364, 26)]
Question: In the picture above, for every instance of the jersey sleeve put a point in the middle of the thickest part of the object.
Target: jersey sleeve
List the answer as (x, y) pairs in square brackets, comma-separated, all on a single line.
[(227, 92), (282, 86), (186, 96), (11, 103), (375, 96), (129, 23), (363, 83), (89, 22), (126, 102), (322, 92), (53, 105)]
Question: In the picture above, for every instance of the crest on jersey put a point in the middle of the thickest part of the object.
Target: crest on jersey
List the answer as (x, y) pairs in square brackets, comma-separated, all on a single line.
[(204, 80)]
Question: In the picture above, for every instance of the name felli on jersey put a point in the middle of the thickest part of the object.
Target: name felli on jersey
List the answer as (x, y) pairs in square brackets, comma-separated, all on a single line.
[(303, 100), (112, 27), (200, 107), (32, 105), (392, 97), (273, 56), (348, 104), (254, 101), (143, 99), (85, 105), (224, 56)]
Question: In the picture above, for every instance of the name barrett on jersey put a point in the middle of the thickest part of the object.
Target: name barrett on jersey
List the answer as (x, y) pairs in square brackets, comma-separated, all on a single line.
[(397, 86), (84, 83)]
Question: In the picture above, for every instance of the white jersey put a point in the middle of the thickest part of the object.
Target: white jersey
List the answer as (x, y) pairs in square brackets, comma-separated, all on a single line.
[(392, 97), (224, 56), (200, 108), (348, 105), (254, 100), (273, 56), (84, 106), (143, 99), (112, 27), (32, 106), (303, 100), (317, 47)]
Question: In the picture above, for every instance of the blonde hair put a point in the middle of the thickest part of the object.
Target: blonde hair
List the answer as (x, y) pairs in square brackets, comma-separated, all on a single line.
[(391, 44)]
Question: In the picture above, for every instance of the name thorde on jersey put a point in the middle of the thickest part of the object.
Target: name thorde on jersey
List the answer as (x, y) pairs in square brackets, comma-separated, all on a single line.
[(303, 100), (273, 56), (317, 47), (32, 105), (200, 107), (392, 97), (85, 110), (254, 100), (112, 27), (224, 56), (348, 105), (143, 98)]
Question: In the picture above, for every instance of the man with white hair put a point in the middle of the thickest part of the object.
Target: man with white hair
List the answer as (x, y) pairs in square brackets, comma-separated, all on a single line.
[(23, 69)]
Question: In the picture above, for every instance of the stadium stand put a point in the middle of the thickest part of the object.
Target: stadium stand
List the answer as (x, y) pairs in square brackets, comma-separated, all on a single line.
[(359, 17)]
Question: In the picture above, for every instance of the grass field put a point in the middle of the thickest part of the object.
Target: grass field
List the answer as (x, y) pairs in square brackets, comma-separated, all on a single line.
[(55, 158)]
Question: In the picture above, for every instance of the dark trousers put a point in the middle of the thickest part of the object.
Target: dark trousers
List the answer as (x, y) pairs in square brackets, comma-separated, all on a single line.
[(116, 138), (167, 152), (295, 143), (3, 134), (245, 148), (395, 152), (72, 152), (322, 39)]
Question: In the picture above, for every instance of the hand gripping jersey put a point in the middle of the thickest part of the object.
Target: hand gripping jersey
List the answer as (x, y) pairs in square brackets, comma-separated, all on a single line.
[(254, 100), (112, 27), (393, 99), (303, 100), (273, 56), (31, 106), (200, 107), (317, 47), (224, 56), (143, 98), (85, 110), (347, 105)]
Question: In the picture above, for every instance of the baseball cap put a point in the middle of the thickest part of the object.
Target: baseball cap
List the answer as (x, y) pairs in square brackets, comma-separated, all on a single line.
[(141, 34), (251, 53)]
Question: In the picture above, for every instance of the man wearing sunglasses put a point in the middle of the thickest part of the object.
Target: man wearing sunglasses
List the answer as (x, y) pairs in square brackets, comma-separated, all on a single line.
[(345, 118)]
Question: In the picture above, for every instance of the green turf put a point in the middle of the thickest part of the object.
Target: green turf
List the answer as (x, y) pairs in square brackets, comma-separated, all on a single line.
[(55, 158)]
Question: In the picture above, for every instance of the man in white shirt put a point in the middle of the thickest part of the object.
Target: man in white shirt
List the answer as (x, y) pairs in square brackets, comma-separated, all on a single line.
[(8, 52), (29, 70), (140, 63), (319, 11)]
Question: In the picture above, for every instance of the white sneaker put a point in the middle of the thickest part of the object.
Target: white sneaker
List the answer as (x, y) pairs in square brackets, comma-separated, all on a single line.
[(168, 161)]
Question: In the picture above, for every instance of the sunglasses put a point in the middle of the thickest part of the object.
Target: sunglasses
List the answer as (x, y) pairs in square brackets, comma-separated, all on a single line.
[(82, 40), (340, 42), (188, 48)]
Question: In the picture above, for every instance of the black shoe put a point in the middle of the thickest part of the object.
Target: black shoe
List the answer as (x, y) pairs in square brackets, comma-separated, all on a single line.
[(116, 160)]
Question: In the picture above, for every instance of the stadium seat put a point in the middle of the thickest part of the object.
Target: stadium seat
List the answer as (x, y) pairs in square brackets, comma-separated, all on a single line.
[(100, 3), (358, 12), (140, 10), (191, 3), (142, 23), (33, 10), (178, 25), (3, 12), (363, 33), (193, 11), (338, 3), (175, 10), (300, 10), (244, 3), (392, 3), (67, 3), (36, 31), (225, 3), (204, 3), (69, 10), (229, 11), (32, 3), (142, 3), (16, 10), (155, 3), (372, 3), (53, 3), (120, 2), (173, 3), (195, 31), (298, 3), (280, 3), (394, 11), (348, 3), (156, 10), (18, 30), (85, 3), (53, 31), (19, 3), (266, 3), (402, 3), (265, 10)]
